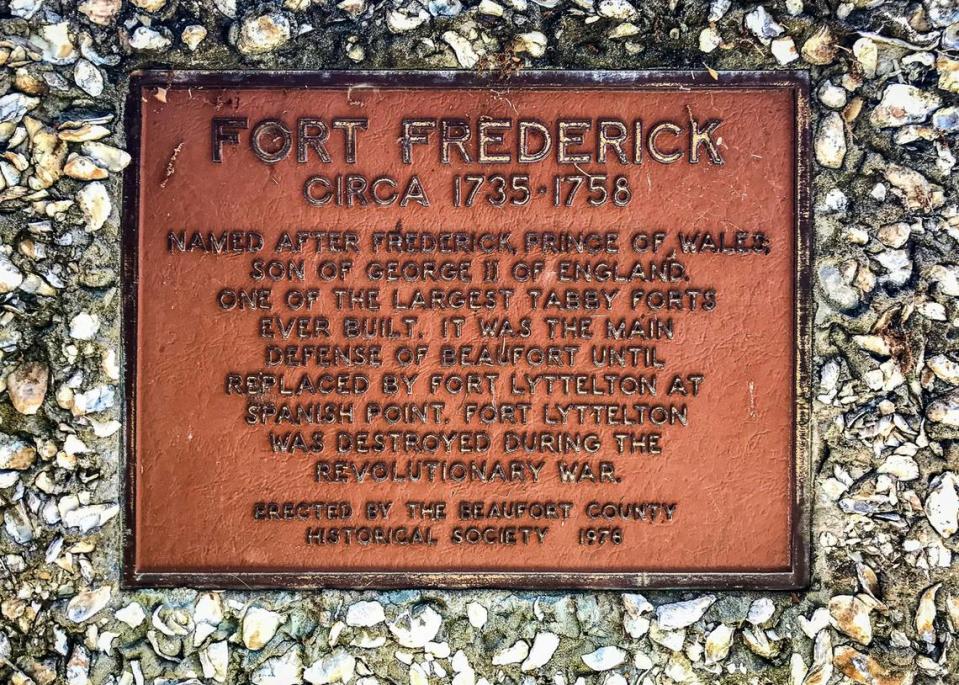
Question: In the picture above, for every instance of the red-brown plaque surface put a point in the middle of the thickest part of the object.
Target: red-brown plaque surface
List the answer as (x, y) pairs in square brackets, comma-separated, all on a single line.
[(599, 286)]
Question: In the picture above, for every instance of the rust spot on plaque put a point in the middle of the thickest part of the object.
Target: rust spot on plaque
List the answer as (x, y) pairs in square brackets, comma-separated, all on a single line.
[(431, 329)]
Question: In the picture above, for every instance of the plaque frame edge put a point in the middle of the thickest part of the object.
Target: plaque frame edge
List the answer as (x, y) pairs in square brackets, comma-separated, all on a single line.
[(797, 577)]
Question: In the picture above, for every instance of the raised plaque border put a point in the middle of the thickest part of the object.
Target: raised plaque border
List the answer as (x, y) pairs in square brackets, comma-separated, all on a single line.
[(797, 577)]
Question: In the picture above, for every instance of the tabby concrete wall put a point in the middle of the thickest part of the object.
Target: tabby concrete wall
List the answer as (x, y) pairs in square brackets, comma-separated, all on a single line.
[(883, 606)]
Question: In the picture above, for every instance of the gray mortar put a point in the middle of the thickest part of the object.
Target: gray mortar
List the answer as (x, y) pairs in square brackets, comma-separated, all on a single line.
[(40, 643)]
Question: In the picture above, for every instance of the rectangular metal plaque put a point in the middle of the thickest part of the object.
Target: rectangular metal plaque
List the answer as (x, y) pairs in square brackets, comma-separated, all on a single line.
[(435, 329)]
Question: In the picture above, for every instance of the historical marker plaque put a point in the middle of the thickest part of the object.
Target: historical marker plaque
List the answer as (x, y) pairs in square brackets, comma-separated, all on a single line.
[(432, 329)]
